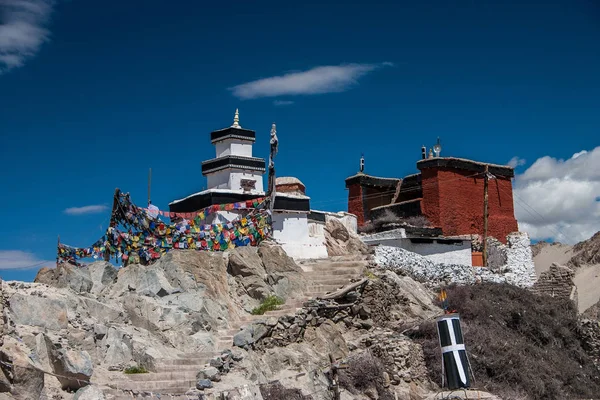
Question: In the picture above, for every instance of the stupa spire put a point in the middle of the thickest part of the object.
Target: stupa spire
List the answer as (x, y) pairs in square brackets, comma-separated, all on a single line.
[(236, 119)]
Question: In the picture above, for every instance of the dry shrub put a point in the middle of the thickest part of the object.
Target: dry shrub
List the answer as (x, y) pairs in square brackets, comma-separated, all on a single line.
[(276, 391), (364, 372), (520, 345)]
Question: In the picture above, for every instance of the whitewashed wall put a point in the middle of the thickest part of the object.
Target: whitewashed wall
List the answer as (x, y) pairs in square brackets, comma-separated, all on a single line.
[(231, 179), (441, 253), (235, 147), (514, 258), (292, 232)]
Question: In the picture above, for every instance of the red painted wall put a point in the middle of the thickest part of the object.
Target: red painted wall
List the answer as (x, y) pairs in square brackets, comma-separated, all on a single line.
[(453, 201), (355, 203)]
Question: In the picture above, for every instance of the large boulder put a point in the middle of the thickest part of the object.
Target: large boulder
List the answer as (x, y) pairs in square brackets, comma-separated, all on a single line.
[(247, 268), (45, 312), (66, 275), (102, 274), (144, 280), (341, 242), (245, 261), (73, 368), (118, 348), (250, 334), (22, 374), (276, 260)]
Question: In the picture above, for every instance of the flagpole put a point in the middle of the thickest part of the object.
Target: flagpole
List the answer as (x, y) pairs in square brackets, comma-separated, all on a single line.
[(149, 184)]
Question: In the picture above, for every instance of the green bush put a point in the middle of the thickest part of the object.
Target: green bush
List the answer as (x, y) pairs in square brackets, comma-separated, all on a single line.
[(135, 370), (268, 304)]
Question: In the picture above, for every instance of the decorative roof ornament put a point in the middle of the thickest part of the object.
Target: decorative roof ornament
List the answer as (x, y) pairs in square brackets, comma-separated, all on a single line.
[(274, 143), (236, 120), (437, 148), (362, 163)]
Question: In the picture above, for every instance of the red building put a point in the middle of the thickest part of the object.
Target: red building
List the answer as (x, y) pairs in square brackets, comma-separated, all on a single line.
[(448, 191)]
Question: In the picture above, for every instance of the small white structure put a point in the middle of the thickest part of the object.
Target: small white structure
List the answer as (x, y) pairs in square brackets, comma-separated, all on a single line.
[(439, 249), (290, 221)]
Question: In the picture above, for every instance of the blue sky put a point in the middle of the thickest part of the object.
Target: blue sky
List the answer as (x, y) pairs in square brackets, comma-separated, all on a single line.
[(93, 93)]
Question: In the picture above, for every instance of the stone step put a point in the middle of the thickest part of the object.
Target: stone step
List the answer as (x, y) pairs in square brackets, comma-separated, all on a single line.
[(183, 368), (201, 354), (334, 281), (179, 386), (183, 361), (188, 374), (312, 275), (332, 270), (335, 264)]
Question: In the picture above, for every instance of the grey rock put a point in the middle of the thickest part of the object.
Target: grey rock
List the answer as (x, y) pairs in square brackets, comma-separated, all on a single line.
[(90, 392), (276, 260), (204, 384), (250, 334), (102, 274), (237, 354), (100, 331), (26, 380), (210, 373), (245, 261), (50, 313), (74, 367), (216, 362)]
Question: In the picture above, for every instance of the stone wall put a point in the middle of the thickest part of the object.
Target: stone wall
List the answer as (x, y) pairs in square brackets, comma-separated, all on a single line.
[(515, 257), (436, 274), (557, 282)]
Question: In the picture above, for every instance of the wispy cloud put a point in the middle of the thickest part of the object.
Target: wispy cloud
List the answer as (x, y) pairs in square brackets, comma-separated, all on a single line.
[(516, 162), (22, 30), (317, 80), (93, 209), (283, 102), (17, 259)]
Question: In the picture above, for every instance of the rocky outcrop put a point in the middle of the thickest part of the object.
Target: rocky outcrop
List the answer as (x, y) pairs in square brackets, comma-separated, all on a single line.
[(586, 252), (22, 375), (339, 241), (73, 368)]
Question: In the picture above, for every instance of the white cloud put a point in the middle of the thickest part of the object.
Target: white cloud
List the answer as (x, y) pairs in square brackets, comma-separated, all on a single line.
[(17, 259), (317, 80), (283, 102), (93, 209), (22, 30), (516, 162), (558, 199)]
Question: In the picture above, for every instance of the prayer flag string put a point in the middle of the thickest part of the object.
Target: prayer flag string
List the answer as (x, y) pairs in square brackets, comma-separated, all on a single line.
[(148, 237)]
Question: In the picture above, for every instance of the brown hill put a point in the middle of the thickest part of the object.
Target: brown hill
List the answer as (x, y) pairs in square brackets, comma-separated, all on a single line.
[(586, 252)]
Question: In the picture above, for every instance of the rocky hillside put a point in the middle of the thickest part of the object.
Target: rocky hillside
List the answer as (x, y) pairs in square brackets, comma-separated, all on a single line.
[(583, 258), (252, 324), (581, 254), (586, 252)]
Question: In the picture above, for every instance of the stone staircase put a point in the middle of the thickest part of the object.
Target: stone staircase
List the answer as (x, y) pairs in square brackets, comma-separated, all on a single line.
[(176, 376)]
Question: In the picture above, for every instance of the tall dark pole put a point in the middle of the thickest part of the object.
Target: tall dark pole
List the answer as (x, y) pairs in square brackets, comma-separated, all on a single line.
[(149, 184), (274, 142), (485, 215)]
